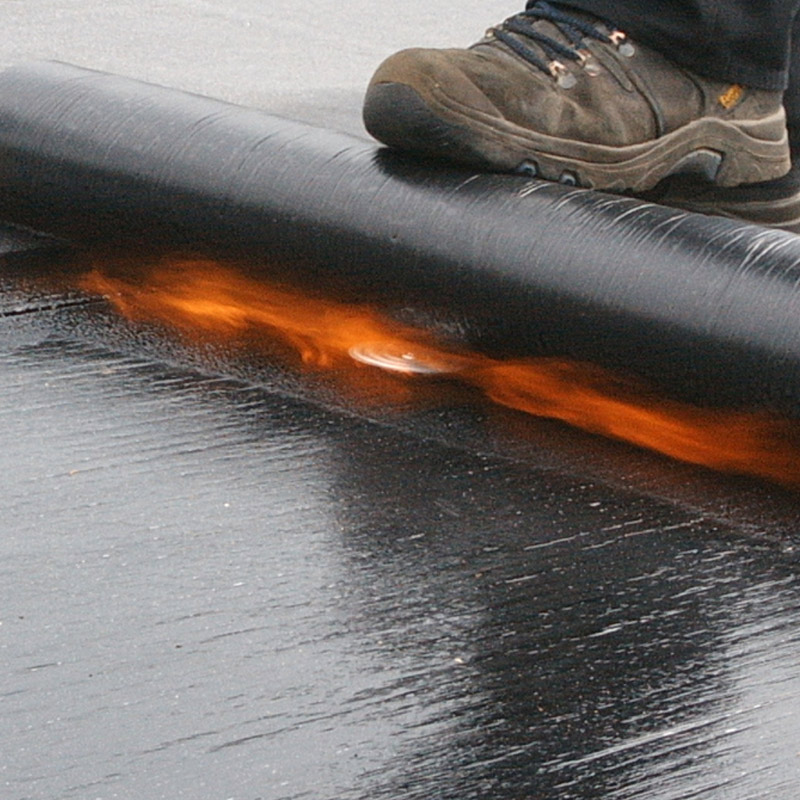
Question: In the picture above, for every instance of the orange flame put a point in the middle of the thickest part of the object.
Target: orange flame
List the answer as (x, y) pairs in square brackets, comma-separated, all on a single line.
[(197, 296), (204, 297)]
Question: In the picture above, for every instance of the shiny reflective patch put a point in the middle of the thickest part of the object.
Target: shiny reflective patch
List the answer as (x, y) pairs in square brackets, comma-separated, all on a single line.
[(391, 358)]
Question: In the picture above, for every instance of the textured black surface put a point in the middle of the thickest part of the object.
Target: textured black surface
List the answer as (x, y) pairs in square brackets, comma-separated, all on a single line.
[(24, 247), (224, 579), (705, 309)]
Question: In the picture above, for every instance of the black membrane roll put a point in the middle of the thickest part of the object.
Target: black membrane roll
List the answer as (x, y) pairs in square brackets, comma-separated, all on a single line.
[(703, 309)]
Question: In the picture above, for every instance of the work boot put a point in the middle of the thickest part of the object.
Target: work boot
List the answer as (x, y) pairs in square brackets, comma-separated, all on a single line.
[(773, 204), (568, 97)]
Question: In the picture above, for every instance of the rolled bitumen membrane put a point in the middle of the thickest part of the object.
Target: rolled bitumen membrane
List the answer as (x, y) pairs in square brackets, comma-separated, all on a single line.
[(20, 247), (703, 309)]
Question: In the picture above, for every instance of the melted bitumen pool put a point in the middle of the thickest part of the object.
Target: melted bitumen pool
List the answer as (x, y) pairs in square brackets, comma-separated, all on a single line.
[(226, 580)]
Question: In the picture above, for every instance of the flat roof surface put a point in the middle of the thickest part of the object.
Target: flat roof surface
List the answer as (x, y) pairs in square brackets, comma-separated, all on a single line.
[(226, 578)]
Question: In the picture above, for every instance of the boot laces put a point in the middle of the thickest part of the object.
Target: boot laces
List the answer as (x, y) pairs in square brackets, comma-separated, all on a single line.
[(517, 29)]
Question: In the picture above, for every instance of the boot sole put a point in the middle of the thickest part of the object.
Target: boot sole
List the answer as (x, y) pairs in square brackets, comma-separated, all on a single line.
[(780, 212), (725, 153)]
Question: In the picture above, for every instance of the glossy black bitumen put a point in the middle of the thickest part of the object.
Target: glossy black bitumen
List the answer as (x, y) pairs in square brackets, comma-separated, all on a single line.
[(226, 578)]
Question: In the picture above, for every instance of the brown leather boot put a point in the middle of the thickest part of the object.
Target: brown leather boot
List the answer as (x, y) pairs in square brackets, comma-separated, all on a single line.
[(565, 96)]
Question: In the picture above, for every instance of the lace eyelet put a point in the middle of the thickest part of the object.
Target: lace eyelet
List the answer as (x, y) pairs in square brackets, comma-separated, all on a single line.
[(564, 78), (620, 41), (588, 63)]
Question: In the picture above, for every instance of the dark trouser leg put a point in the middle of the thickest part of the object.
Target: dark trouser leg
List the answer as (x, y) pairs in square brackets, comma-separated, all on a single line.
[(791, 99), (741, 41)]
